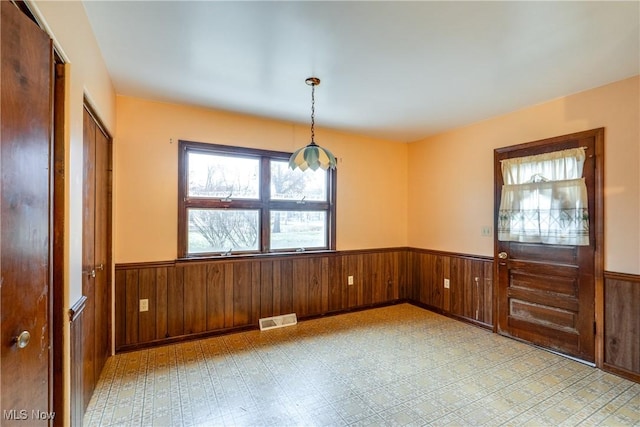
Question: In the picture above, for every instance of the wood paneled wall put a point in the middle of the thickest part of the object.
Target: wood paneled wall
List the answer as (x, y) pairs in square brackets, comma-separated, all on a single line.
[(78, 402), (198, 297), (203, 297), (470, 292), (190, 298), (622, 324)]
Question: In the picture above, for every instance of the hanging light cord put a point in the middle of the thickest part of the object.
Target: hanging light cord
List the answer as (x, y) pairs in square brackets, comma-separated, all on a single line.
[(313, 111), (312, 156)]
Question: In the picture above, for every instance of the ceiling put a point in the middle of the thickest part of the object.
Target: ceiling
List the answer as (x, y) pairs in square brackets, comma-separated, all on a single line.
[(393, 70)]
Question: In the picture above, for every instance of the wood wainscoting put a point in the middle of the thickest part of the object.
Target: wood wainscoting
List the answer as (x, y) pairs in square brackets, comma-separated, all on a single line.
[(470, 293), (78, 402), (622, 325), (191, 298), (195, 298)]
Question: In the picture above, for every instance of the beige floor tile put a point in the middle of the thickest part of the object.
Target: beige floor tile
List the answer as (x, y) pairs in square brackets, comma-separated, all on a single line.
[(398, 365)]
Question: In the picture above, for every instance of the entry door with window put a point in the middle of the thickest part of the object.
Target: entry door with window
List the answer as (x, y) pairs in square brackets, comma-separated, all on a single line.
[(546, 242)]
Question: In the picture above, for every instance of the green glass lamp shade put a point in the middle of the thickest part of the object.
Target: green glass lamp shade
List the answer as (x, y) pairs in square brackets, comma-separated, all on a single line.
[(312, 156)]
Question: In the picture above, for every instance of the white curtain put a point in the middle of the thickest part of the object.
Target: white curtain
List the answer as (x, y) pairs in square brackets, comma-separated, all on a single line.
[(544, 199)]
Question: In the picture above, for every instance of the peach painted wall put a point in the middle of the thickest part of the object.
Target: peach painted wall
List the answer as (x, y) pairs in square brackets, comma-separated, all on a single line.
[(371, 201), (451, 174), (86, 76)]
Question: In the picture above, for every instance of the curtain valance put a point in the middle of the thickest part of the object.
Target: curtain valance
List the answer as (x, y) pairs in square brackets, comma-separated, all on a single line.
[(544, 199)]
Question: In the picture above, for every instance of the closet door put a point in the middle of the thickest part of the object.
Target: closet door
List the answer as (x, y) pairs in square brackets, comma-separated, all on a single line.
[(102, 244), (96, 254)]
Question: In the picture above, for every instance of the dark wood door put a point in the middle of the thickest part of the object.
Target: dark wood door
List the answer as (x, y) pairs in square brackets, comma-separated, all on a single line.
[(25, 167), (96, 254), (88, 256), (102, 242), (546, 293)]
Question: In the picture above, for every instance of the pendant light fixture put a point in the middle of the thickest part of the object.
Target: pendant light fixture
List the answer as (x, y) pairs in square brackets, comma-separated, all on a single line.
[(312, 156)]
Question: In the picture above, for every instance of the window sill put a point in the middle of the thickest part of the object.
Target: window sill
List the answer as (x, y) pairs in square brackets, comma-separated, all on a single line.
[(293, 254)]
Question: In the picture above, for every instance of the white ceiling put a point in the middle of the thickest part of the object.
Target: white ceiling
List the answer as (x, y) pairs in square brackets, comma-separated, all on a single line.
[(395, 70)]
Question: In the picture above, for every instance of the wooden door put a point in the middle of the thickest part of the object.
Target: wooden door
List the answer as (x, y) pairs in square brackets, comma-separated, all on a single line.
[(102, 256), (89, 272), (546, 293), (96, 254), (25, 246)]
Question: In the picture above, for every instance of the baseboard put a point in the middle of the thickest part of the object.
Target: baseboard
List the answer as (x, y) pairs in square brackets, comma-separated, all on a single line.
[(621, 372), (125, 348), (209, 334), (450, 315)]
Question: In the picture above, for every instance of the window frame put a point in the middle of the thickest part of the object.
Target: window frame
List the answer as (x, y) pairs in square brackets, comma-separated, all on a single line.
[(263, 204)]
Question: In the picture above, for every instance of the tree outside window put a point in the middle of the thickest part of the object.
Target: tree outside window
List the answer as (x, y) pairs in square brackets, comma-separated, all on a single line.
[(235, 200)]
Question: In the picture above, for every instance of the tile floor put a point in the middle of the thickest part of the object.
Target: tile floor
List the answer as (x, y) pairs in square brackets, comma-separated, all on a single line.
[(398, 365)]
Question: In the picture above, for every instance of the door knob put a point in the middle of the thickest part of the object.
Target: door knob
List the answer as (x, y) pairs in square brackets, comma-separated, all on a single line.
[(502, 255), (92, 273), (22, 340)]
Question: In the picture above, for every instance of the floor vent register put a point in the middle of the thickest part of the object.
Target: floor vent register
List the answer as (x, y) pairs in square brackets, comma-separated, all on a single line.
[(281, 321)]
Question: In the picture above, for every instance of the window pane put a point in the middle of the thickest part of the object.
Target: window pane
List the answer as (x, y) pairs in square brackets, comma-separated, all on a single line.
[(218, 176), (298, 229), (221, 230), (287, 184)]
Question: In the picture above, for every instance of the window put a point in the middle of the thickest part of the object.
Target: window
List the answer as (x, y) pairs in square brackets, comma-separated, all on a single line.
[(544, 199), (243, 201)]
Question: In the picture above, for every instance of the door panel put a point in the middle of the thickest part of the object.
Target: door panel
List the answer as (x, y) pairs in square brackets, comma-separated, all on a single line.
[(101, 251), (88, 256), (96, 257), (546, 293), (25, 165)]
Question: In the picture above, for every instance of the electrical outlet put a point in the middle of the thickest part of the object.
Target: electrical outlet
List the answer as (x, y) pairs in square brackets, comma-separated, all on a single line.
[(144, 305), (350, 280), (486, 231), (446, 283)]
